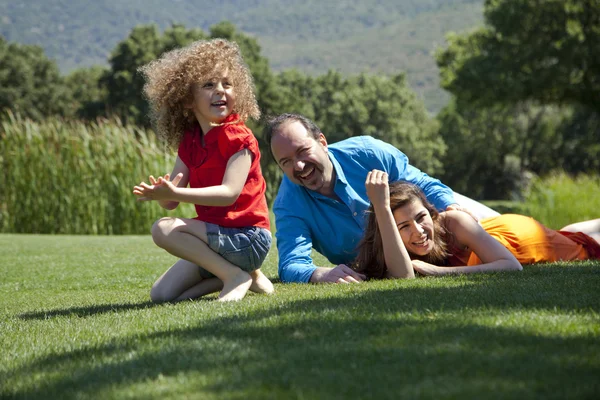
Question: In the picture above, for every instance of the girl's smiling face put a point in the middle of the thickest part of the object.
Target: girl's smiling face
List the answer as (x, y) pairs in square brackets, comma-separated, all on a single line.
[(416, 227), (213, 100)]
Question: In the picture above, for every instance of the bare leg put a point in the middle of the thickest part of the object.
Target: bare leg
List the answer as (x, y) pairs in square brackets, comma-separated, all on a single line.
[(590, 228), (481, 211), (186, 238), (182, 282), (202, 288), (260, 283)]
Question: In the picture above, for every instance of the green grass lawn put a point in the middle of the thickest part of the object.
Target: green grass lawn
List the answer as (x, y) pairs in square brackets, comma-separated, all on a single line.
[(76, 322)]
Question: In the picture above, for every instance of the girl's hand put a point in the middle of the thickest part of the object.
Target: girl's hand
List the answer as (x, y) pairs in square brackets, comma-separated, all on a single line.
[(427, 269), (378, 189), (160, 189)]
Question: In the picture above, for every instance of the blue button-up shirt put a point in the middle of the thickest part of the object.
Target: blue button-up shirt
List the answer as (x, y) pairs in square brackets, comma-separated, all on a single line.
[(306, 219)]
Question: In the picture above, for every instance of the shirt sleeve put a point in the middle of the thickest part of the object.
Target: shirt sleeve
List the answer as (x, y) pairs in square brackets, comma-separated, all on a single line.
[(396, 164), (294, 244), (236, 138)]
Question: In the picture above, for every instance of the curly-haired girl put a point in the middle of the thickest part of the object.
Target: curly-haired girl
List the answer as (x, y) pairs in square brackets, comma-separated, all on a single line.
[(200, 96), (405, 233)]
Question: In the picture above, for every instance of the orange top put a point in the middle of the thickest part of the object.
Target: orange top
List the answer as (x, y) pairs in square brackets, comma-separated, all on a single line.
[(531, 242)]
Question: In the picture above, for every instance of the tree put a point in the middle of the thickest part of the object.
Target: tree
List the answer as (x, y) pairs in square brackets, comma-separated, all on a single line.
[(541, 50), (267, 90), (123, 81), (30, 83), (382, 107), (492, 151), (89, 95), (478, 161), (580, 147), (145, 43)]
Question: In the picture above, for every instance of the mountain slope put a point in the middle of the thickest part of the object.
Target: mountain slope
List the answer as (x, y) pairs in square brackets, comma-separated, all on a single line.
[(384, 36)]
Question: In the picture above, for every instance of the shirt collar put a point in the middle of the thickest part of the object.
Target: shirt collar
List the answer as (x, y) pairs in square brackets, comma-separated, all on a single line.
[(339, 177), (339, 172), (213, 134)]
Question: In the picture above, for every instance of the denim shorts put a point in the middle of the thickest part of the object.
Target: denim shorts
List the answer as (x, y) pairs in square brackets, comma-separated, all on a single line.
[(246, 248)]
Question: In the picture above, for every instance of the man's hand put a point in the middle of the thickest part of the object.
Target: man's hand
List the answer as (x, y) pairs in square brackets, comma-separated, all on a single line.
[(160, 189), (340, 274), (457, 207)]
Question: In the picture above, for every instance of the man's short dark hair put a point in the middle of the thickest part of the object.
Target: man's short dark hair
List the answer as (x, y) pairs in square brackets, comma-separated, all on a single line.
[(274, 123)]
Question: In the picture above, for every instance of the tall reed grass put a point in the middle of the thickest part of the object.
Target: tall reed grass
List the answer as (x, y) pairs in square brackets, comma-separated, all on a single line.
[(559, 199), (77, 178)]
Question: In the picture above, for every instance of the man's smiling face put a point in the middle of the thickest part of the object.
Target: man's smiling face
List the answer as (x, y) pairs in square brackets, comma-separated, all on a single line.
[(303, 159)]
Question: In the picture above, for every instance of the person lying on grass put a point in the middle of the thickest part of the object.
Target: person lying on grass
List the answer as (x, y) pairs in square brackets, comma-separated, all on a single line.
[(405, 233), (200, 96), (321, 202)]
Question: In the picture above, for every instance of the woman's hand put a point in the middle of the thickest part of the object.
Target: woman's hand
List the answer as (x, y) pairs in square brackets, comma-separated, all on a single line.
[(378, 189)]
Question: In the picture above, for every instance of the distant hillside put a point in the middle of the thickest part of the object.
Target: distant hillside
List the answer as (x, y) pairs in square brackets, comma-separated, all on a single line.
[(313, 36)]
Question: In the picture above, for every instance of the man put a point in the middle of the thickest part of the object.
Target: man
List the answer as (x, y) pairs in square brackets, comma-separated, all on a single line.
[(322, 199)]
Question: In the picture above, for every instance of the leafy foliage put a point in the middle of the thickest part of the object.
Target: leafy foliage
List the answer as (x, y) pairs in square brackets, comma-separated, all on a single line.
[(580, 147), (30, 82), (479, 143), (543, 50), (89, 94), (494, 152), (124, 83)]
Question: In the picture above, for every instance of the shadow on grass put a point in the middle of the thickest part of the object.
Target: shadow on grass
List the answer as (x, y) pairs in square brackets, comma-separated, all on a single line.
[(94, 310), (413, 342), (87, 311), (537, 273)]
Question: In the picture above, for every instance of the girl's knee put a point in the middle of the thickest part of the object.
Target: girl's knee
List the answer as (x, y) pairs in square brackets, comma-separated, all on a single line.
[(155, 295), (161, 229), (159, 295)]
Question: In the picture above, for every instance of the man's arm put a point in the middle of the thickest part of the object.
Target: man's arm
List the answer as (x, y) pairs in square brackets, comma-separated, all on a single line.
[(294, 244)]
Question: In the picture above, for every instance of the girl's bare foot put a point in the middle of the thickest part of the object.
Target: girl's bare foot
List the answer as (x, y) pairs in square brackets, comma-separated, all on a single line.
[(235, 288), (260, 283)]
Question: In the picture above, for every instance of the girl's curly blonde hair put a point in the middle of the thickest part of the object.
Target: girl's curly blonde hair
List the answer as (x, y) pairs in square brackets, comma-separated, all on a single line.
[(169, 81)]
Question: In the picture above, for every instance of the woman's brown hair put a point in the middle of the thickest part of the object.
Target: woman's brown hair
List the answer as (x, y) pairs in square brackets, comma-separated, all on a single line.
[(370, 260), (170, 78)]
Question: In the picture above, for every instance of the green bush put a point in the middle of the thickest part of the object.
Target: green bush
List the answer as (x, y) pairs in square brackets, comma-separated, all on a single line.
[(559, 199), (509, 207), (70, 177)]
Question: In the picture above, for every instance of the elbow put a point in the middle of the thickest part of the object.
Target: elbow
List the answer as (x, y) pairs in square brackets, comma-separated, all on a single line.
[(518, 267), (404, 275), (231, 197), (229, 201), (515, 265), (171, 206)]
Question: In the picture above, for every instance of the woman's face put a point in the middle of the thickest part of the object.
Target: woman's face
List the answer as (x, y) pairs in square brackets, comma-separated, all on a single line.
[(416, 227)]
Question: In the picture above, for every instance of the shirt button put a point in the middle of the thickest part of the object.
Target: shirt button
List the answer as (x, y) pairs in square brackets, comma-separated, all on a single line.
[(354, 214)]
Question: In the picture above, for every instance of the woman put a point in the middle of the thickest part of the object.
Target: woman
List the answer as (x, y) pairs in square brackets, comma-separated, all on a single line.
[(405, 233)]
